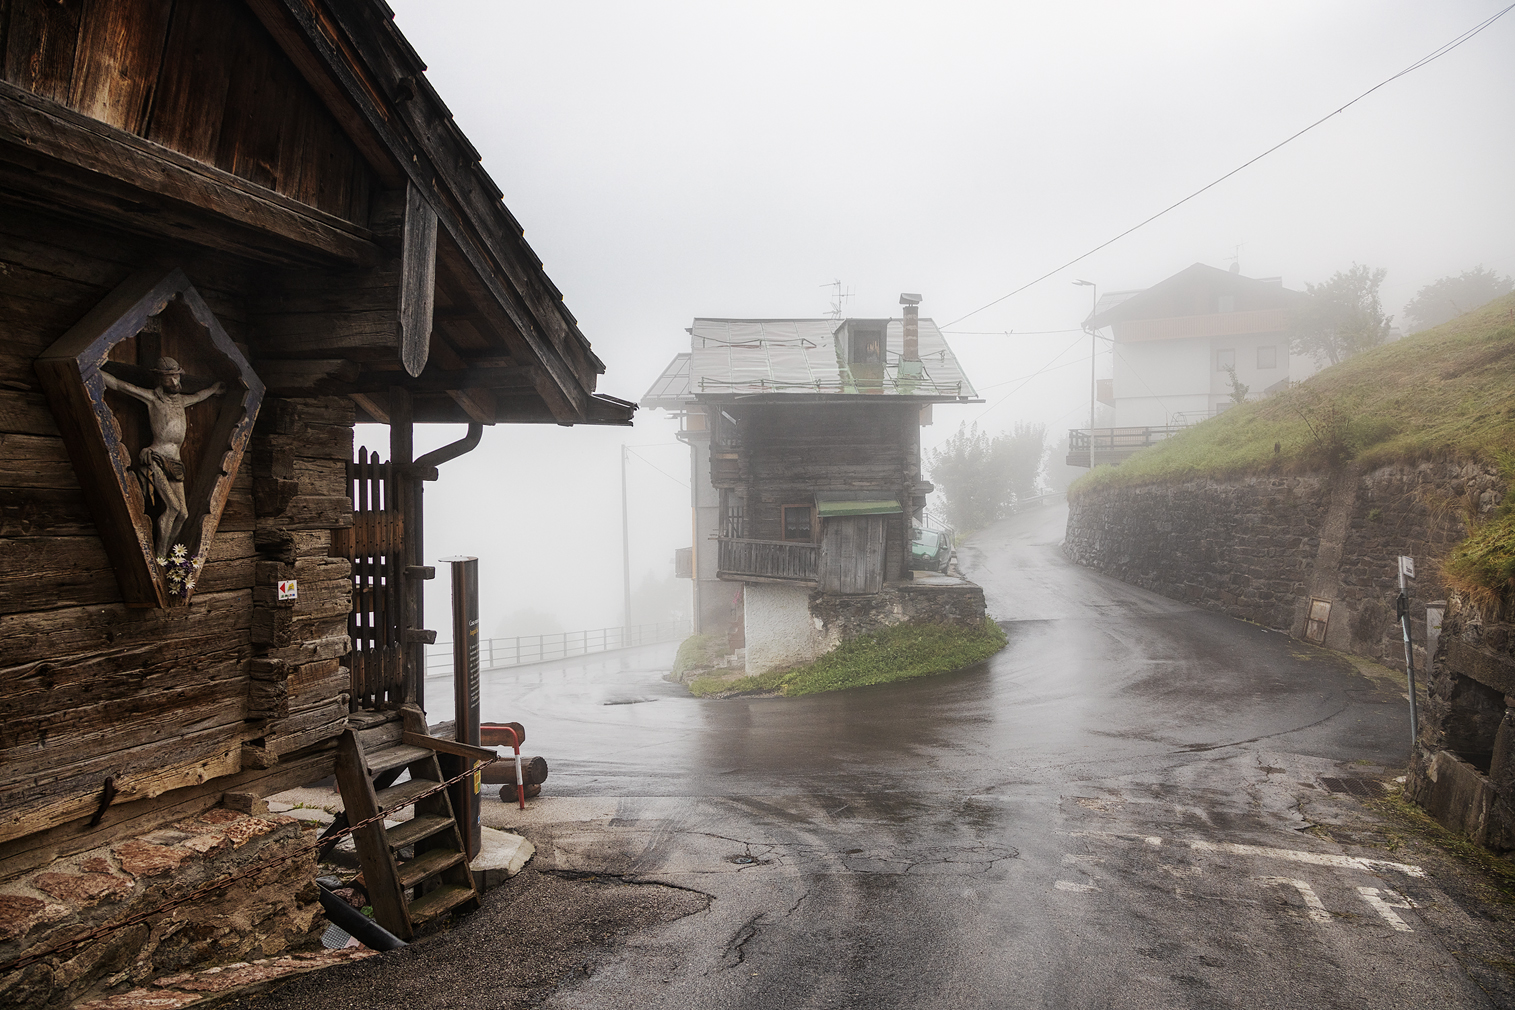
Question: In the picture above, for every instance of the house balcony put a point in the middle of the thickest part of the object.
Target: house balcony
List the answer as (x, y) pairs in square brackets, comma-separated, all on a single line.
[(743, 560)]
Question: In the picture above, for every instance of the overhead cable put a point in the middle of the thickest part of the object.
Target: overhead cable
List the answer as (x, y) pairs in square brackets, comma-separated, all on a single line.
[(1437, 54)]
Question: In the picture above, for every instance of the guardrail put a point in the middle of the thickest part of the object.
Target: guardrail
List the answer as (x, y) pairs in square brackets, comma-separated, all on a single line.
[(502, 653)]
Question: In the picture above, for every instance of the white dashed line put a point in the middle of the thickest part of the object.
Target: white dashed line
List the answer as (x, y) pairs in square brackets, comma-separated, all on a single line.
[(1372, 895), (1068, 885), (1313, 906)]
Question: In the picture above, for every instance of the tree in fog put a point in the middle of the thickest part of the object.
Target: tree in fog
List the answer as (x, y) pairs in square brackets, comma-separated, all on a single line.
[(981, 477), (1450, 297), (1341, 317)]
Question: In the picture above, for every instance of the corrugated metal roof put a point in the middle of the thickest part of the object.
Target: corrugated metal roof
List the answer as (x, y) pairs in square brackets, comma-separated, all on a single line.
[(745, 356), (671, 390)]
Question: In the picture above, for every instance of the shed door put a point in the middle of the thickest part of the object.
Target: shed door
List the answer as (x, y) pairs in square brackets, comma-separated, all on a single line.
[(852, 554)]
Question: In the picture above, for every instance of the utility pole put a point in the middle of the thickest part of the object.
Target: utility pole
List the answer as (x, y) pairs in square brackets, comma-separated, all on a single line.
[(1093, 384), (625, 543)]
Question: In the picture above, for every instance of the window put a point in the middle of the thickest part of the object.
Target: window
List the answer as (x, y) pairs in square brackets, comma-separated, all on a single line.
[(1267, 357), (797, 522), (1225, 360), (865, 344)]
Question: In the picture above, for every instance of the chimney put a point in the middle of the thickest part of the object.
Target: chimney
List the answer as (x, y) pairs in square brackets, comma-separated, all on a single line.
[(912, 327)]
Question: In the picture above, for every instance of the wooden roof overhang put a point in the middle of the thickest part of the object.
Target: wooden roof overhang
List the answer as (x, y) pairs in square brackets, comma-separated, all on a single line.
[(425, 284)]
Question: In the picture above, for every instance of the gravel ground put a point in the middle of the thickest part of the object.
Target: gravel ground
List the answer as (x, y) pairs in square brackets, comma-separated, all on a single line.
[(535, 934)]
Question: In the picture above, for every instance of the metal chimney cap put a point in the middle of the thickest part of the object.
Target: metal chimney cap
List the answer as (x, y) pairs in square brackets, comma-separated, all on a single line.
[(909, 299)]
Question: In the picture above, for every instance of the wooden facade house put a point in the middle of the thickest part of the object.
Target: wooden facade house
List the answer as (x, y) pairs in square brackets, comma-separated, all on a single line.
[(229, 231), (806, 469)]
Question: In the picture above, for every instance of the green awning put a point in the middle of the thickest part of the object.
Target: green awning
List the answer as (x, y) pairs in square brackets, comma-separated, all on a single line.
[(846, 507)]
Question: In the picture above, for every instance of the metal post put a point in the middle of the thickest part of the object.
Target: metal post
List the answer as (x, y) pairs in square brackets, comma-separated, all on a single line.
[(625, 542), (1093, 383), (465, 690), (1403, 606)]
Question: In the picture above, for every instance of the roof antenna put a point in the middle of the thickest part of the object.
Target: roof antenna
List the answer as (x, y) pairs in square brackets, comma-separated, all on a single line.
[(839, 297), (1236, 260)]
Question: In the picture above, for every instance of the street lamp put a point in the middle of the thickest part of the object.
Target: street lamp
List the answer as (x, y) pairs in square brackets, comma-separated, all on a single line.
[(1093, 299)]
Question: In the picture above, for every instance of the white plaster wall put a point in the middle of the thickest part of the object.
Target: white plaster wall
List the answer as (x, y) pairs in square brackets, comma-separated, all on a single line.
[(780, 630), (1155, 378)]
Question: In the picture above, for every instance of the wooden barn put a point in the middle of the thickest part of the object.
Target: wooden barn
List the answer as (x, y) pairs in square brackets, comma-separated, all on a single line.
[(229, 231), (806, 470)]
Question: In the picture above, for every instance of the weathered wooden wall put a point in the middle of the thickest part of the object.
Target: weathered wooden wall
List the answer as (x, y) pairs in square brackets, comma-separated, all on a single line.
[(199, 77), (792, 450), (158, 700)]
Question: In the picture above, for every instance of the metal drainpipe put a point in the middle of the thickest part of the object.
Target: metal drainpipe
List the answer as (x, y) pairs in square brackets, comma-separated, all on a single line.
[(436, 457)]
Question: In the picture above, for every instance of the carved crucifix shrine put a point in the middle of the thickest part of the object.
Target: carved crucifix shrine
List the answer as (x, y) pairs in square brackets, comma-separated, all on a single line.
[(161, 470), (157, 478)]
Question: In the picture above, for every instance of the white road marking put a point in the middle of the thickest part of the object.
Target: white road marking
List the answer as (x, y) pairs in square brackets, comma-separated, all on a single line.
[(1267, 852), (1386, 908), (1312, 858), (1068, 885), (1313, 907)]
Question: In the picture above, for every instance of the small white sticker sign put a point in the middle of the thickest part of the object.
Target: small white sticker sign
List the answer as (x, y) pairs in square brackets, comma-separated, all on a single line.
[(289, 589), (1407, 567)]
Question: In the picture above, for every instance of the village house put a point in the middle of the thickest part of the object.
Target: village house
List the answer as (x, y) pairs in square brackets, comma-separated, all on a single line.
[(1174, 351), (229, 231), (806, 479)]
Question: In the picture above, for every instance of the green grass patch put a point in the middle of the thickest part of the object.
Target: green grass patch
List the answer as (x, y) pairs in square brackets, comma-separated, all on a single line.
[(898, 653), (1441, 394), (1482, 567), (699, 650)]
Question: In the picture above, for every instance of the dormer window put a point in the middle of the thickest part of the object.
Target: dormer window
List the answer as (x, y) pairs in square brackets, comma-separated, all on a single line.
[(865, 343)]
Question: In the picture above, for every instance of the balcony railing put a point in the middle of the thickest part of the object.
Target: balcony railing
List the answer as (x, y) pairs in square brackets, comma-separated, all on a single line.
[(769, 559), (1112, 445)]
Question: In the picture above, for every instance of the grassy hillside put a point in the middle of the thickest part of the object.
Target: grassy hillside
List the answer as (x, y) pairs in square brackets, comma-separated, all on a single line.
[(1446, 393)]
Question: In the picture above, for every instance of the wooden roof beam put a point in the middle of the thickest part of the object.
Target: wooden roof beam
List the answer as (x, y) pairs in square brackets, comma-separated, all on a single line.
[(69, 160)]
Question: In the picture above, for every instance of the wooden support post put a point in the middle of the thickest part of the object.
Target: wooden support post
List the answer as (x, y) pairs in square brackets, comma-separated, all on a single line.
[(407, 491)]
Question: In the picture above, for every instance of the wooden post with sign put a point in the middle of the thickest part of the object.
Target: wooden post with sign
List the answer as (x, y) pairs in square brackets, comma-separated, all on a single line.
[(465, 690), (1402, 605)]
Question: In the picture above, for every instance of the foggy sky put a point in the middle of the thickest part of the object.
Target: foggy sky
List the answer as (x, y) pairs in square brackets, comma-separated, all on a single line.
[(669, 160)]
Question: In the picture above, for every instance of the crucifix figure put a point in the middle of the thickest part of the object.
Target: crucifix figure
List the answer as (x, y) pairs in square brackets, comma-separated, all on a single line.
[(161, 469)]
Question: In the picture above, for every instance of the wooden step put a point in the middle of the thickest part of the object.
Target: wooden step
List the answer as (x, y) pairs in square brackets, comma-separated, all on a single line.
[(404, 794), (394, 757), (412, 831), (427, 864), (443, 899)]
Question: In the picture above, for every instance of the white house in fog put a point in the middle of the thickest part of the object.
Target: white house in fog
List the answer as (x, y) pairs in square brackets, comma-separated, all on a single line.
[(1174, 341)]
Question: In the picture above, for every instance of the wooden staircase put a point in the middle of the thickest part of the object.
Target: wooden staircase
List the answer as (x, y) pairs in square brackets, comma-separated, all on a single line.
[(418, 869)]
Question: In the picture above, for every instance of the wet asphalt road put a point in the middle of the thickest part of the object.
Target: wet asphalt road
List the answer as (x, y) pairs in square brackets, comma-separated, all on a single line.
[(1121, 809)]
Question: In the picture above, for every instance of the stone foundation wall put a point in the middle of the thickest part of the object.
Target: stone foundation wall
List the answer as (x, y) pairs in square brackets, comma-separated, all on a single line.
[(791, 625), (1463, 769), (262, 915), (1261, 548)]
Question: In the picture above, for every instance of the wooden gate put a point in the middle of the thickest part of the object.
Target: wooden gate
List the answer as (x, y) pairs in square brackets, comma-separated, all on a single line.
[(852, 554), (374, 546)]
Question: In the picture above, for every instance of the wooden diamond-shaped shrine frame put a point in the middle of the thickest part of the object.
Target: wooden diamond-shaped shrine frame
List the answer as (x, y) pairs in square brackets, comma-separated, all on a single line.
[(150, 316)]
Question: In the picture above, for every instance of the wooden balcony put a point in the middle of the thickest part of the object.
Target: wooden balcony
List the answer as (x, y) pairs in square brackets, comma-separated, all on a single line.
[(768, 560)]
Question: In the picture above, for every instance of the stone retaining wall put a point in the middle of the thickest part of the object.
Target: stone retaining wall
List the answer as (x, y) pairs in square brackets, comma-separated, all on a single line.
[(1261, 548), (1463, 771), (258, 916)]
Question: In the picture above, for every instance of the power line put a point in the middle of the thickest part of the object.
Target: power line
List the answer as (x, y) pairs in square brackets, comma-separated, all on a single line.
[(1437, 54), (659, 469)]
